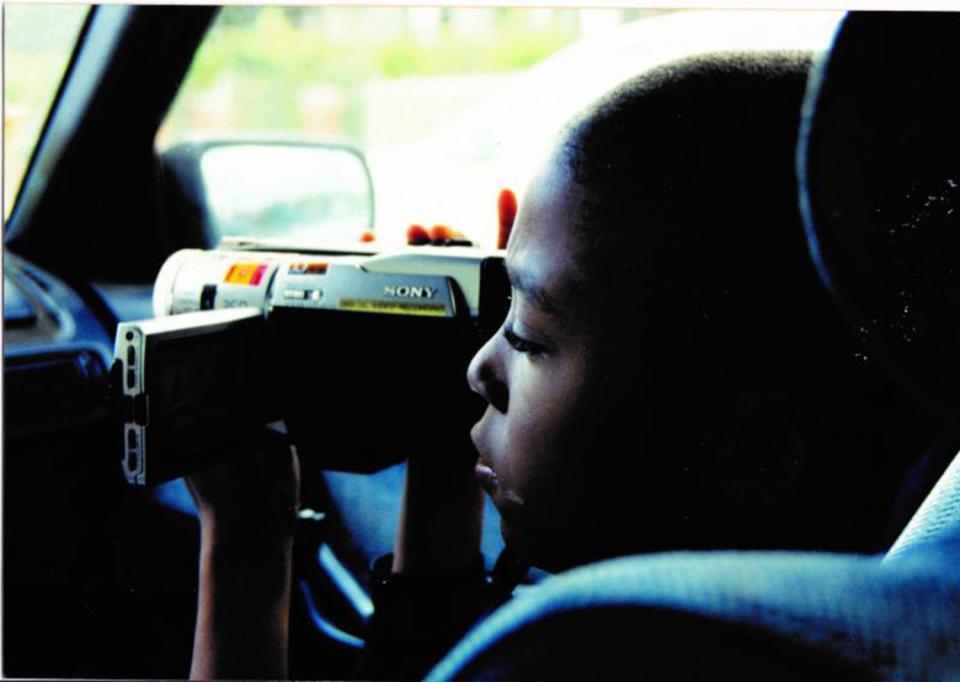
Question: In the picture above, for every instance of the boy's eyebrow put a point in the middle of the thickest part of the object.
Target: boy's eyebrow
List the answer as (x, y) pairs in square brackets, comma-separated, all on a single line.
[(530, 287)]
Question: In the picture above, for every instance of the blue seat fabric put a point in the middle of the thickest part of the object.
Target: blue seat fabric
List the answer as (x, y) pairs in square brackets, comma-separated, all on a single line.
[(789, 613)]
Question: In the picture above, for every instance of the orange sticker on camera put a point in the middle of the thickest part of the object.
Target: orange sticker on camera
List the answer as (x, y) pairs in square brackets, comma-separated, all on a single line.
[(245, 273)]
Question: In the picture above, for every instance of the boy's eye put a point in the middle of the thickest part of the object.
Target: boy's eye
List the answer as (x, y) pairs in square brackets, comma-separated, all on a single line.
[(520, 344)]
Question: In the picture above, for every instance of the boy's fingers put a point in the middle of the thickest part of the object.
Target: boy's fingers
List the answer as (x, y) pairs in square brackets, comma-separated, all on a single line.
[(417, 235), (442, 233), (506, 214)]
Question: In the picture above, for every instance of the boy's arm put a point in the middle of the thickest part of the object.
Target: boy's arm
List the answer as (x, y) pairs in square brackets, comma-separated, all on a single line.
[(441, 518), (243, 606), (442, 515), (248, 511), (436, 587)]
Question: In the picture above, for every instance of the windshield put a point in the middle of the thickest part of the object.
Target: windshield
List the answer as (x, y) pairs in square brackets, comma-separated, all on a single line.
[(37, 43)]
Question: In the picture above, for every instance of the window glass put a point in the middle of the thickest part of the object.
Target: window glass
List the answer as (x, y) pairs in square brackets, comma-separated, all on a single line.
[(330, 70), (387, 80), (37, 43), (448, 105)]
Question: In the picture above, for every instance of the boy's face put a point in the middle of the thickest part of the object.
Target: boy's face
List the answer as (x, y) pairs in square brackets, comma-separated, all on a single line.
[(543, 438)]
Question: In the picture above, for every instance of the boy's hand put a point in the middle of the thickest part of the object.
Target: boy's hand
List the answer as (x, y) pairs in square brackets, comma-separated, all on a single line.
[(253, 491)]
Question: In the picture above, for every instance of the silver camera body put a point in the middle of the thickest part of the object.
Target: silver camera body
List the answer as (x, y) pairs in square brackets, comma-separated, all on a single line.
[(362, 355)]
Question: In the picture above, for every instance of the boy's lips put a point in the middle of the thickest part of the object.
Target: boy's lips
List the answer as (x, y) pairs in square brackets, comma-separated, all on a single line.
[(482, 469), (485, 474)]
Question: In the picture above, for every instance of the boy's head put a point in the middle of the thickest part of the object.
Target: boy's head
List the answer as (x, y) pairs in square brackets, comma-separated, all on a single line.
[(645, 389)]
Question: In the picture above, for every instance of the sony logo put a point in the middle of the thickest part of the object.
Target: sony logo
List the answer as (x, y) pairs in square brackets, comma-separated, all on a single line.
[(405, 291)]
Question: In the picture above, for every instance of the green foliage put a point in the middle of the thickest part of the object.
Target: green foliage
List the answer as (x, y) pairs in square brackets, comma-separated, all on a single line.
[(268, 56), (510, 50), (270, 45)]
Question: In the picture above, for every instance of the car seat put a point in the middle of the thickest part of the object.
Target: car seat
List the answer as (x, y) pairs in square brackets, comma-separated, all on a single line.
[(879, 167), (937, 518), (790, 614)]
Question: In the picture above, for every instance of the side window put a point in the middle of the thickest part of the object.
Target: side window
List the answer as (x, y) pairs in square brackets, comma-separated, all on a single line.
[(37, 43), (423, 92)]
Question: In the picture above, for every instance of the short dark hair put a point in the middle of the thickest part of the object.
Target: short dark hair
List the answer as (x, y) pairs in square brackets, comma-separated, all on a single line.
[(688, 220), (685, 164)]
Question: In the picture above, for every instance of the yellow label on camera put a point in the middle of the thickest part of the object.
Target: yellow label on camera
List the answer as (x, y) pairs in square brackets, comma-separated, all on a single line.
[(365, 305)]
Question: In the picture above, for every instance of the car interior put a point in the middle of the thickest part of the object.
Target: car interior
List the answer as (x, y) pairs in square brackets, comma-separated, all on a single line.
[(100, 576)]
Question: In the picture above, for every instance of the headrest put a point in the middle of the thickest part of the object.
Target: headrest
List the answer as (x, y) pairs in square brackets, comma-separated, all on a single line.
[(879, 167)]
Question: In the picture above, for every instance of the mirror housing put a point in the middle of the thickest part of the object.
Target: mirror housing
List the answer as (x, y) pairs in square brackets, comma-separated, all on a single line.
[(264, 188)]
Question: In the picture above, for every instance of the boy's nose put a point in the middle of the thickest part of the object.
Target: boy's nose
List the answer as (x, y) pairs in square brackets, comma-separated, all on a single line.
[(485, 376)]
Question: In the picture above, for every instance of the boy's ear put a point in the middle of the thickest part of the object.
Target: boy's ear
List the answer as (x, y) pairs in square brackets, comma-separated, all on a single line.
[(759, 452)]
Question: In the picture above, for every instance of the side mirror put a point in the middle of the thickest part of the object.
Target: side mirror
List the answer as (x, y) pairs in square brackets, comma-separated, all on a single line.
[(296, 190)]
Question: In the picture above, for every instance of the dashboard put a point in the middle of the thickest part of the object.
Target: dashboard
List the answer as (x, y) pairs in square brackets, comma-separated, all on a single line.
[(56, 355)]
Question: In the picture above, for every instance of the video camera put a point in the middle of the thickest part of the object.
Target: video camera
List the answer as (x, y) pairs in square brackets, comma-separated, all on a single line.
[(362, 355)]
